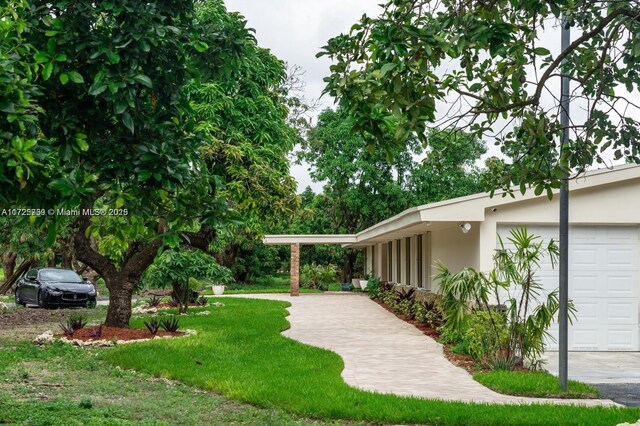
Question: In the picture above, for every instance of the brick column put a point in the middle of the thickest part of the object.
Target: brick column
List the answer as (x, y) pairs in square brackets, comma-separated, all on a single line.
[(295, 269)]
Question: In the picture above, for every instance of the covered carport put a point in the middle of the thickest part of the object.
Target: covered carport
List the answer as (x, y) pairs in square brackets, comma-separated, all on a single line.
[(295, 241)]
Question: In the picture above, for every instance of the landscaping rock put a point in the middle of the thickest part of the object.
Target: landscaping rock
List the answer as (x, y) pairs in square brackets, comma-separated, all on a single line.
[(204, 313), (3, 307), (630, 424), (144, 310), (44, 338)]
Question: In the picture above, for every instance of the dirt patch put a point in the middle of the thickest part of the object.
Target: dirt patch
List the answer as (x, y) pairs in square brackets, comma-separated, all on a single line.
[(17, 323), (120, 334)]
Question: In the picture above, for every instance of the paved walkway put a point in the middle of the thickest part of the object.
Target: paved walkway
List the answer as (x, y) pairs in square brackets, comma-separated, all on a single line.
[(384, 354)]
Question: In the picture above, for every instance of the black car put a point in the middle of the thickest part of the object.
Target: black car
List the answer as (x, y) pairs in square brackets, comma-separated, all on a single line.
[(47, 287)]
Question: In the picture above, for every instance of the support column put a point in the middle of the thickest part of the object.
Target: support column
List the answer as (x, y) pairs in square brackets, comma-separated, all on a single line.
[(295, 269)]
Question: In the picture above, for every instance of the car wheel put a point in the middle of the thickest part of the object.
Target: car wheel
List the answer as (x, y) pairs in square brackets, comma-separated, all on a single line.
[(42, 303), (19, 301)]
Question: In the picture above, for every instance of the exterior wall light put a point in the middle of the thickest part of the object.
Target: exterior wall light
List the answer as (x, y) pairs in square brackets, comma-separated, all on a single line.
[(465, 227)]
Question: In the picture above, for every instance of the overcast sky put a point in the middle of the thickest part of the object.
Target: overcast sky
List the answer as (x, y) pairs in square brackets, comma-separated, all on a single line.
[(295, 30)]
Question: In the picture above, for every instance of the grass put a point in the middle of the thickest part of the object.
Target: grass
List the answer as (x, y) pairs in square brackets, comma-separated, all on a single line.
[(240, 353), (266, 284), (61, 385), (533, 383)]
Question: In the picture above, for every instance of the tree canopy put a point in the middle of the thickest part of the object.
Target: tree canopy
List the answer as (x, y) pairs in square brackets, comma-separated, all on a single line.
[(488, 62)]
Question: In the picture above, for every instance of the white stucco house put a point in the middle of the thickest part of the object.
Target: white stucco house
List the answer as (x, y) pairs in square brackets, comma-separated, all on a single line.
[(604, 248)]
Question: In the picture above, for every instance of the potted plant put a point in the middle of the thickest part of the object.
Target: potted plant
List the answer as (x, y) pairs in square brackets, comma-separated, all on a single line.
[(355, 281), (220, 277), (364, 281)]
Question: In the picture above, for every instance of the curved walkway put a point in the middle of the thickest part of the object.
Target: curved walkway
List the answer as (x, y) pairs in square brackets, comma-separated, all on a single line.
[(384, 354)]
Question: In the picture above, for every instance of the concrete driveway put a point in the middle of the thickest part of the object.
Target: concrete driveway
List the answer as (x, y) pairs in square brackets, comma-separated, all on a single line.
[(615, 374), (384, 354)]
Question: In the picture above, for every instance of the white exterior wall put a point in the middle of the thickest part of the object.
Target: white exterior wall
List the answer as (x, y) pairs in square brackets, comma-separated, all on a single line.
[(455, 249), (613, 204)]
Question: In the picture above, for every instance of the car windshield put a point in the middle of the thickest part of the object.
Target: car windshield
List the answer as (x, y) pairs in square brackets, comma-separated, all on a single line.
[(60, 275)]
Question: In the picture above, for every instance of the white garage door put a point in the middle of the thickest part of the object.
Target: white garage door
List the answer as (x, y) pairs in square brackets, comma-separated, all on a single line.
[(603, 284)]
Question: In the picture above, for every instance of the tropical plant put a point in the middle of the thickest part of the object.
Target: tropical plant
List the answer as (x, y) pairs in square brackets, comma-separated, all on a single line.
[(96, 332), (513, 286), (481, 344), (202, 301), (73, 324), (319, 277), (153, 325), (154, 301), (179, 269), (170, 324), (374, 287)]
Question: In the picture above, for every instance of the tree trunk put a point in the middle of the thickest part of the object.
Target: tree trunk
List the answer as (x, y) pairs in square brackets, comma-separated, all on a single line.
[(9, 263), (349, 264), (120, 294)]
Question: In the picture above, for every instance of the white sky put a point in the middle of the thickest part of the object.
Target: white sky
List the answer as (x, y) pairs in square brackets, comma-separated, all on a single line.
[(295, 30)]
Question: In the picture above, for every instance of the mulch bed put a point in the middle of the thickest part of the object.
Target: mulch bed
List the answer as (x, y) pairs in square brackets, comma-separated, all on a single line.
[(463, 361), (120, 334)]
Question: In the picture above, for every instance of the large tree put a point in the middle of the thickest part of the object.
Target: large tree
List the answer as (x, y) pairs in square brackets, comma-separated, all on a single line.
[(112, 127), (364, 186), (489, 62)]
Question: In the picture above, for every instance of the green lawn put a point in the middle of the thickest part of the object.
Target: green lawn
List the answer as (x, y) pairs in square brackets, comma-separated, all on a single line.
[(61, 385), (533, 383), (266, 284), (240, 353)]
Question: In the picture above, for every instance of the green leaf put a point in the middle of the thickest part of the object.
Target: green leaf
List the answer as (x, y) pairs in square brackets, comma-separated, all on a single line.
[(143, 79), (145, 175), (388, 67), (82, 145), (42, 57), (64, 78), (47, 70), (542, 51), (76, 77), (121, 106), (97, 88), (119, 202), (113, 57), (128, 121)]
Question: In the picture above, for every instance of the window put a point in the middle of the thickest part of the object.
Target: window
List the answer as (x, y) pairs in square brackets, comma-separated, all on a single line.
[(398, 264), (407, 260), (373, 261), (419, 260), (389, 261)]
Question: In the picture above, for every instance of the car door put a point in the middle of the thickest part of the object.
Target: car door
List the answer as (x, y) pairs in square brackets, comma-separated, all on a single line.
[(29, 287)]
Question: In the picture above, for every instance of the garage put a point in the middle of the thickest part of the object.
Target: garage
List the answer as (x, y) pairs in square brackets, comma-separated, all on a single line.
[(603, 284)]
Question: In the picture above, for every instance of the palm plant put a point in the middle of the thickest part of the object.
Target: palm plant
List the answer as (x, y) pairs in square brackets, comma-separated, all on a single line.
[(529, 314)]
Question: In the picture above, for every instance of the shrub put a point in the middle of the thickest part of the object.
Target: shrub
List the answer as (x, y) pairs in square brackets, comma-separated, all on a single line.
[(429, 312), (486, 333), (170, 324), (202, 301), (501, 360), (319, 277), (153, 325), (513, 275), (374, 287), (460, 348)]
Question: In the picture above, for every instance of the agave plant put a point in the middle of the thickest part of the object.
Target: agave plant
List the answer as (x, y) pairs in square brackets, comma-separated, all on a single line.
[(155, 301), (153, 325), (170, 324), (73, 324), (96, 332)]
